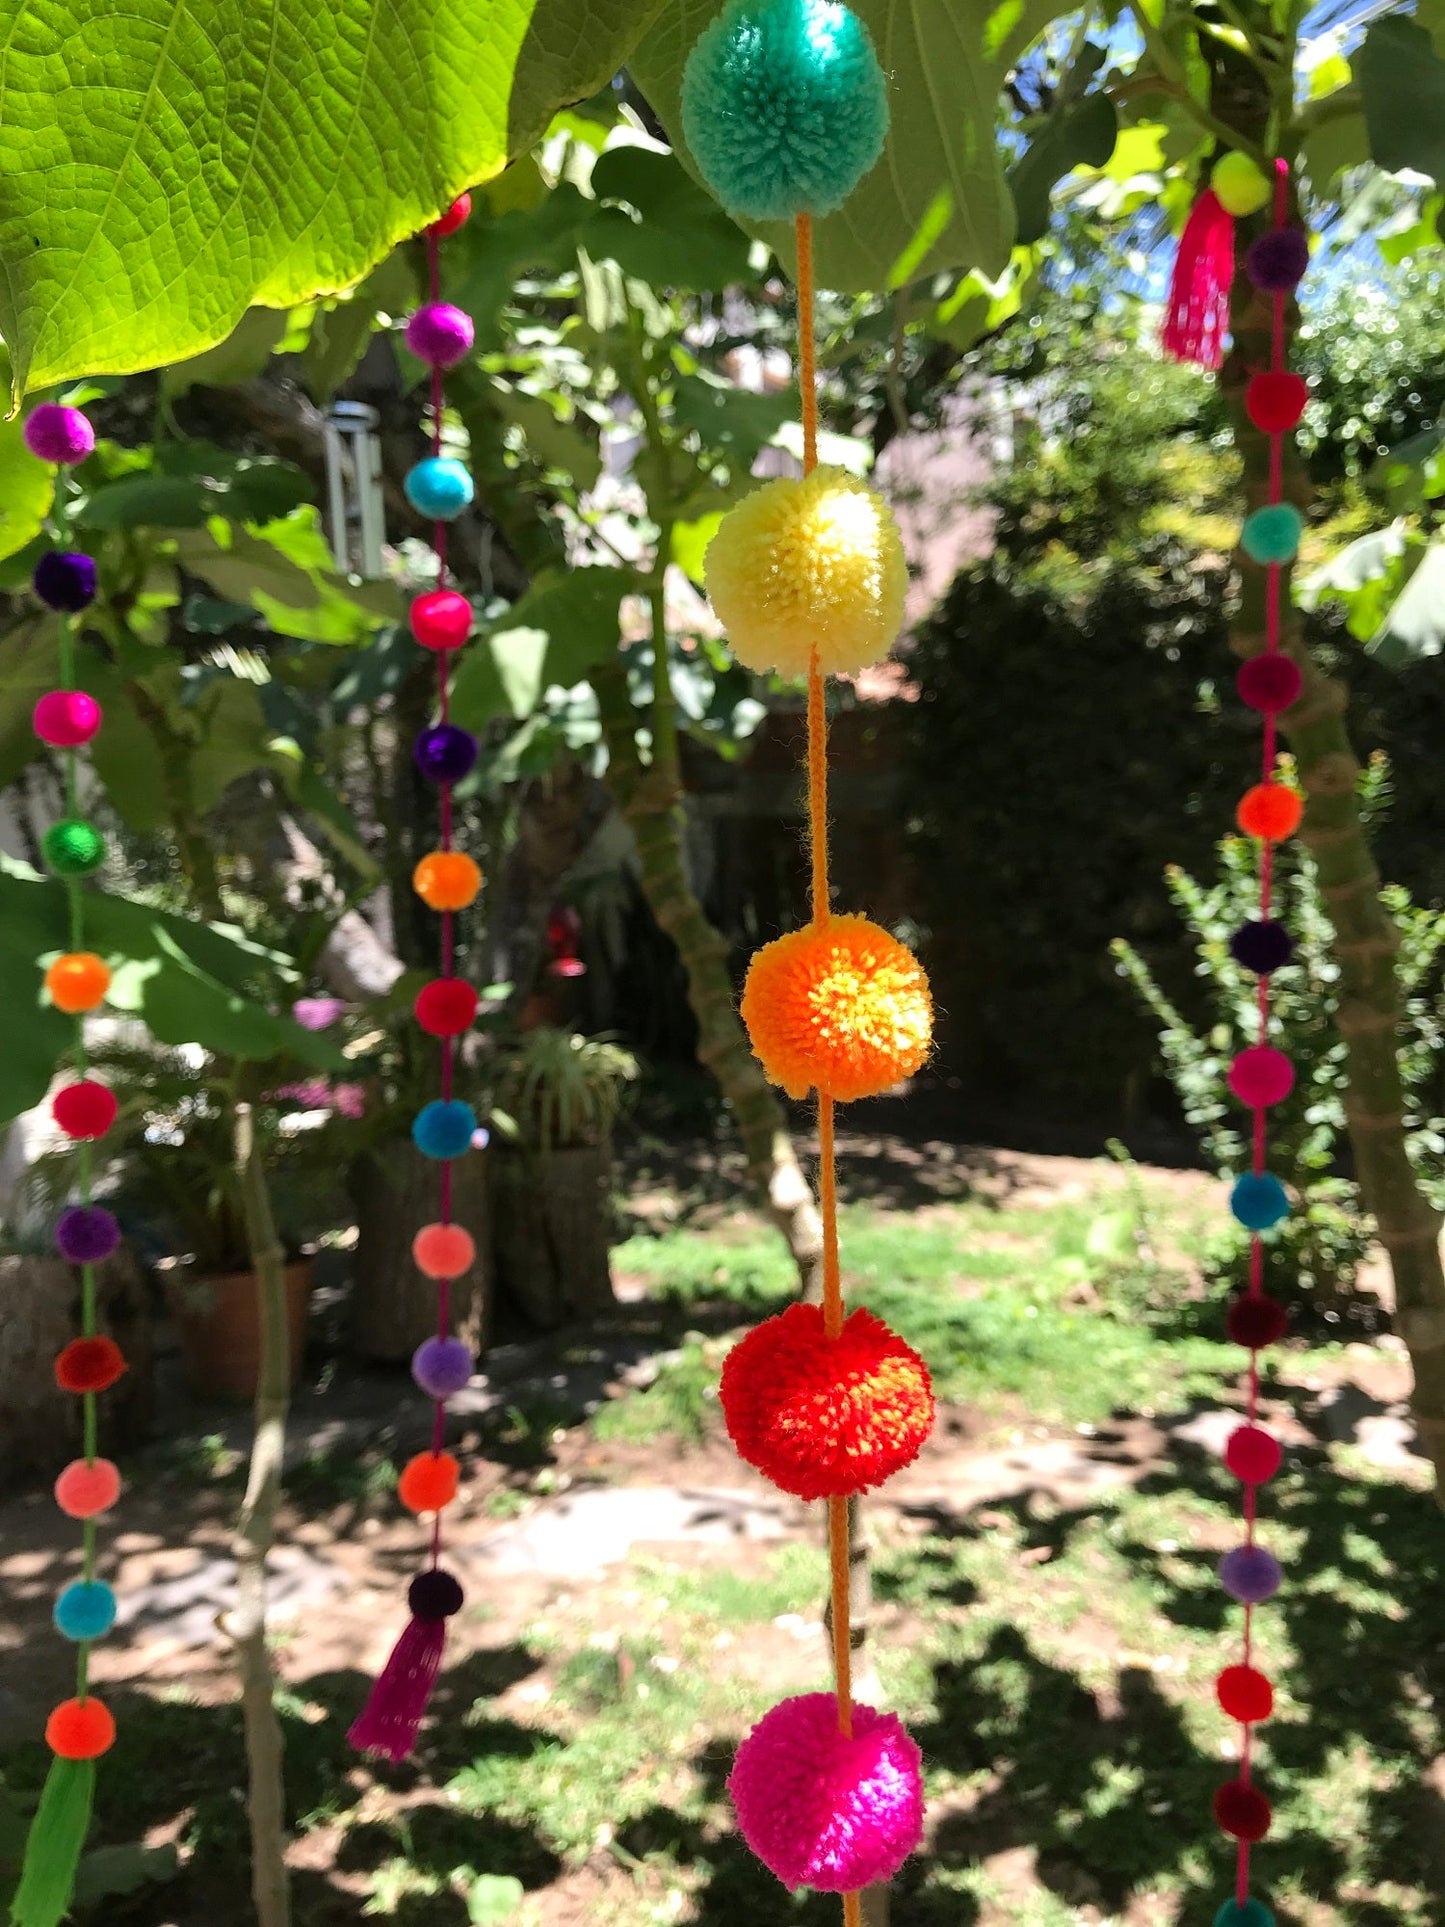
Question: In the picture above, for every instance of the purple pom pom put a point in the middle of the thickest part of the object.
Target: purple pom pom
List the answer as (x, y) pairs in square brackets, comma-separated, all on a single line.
[(1250, 1573), (445, 753), (1279, 260), (86, 1234), (442, 1366), (65, 579), (440, 334), (434, 1595), (55, 433)]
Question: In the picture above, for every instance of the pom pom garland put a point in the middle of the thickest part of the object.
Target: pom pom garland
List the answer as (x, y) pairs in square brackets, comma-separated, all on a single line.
[(89, 1365), (447, 880), (1269, 683), (1253, 1913), (443, 1366), (86, 1488), (440, 619), (1250, 1574), (87, 1234), (446, 1007), (448, 223), (443, 1251), (1252, 1454), (1275, 402), (1261, 1076), (1244, 1694), (85, 1610), (1261, 945), (1241, 188), (1259, 1201), (1272, 534), (72, 848), (429, 1482), (439, 488), (1242, 1810), (1270, 811), (1279, 260), (84, 1110), (435, 1595), (78, 981), (55, 433), (444, 1128), (440, 334), (65, 580), (80, 1729), (1255, 1321), (445, 753), (66, 718)]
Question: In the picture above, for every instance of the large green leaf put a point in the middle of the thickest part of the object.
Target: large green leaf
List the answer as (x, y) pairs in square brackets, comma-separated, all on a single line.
[(1402, 89), (27, 488), (1079, 134), (558, 630), (164, 166), (678, 236), (29, 665), (937, 199)]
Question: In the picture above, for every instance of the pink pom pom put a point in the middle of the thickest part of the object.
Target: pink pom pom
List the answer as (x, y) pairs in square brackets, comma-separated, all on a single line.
[(1261, 1076), (66, 718), (440, 334), (56, 433), (824, 1811)]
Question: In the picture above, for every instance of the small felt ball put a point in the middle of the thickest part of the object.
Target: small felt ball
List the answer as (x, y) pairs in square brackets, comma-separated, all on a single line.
[(1275, 401), (72, 848), (66, 718), (1250, 1574), (826, 1417), (434, 1595), (84, 1489), (809, 565), (1272, 534), (1242, 1810), (1259, 1201), (446, 1007), (84, 1110), (86, 1234), (454, 218), (1270, 682), (1253, 1913), (440, 619), (429, 1482), (1239, 185), (1261, 945), (439, 487), (442, 1367), (444, 752), (1252, 1454), (1278, 260), (823, 1810), (78, 981), (1244, 1694), (1270, 811), (446, 880), (1261, 1076), (440, 335), (784, 107), (1254, 1321), (55, 433), (444, 1128), (89, 1365), (65, 580), (443, 1251), (85, 1610), (842, 1008), (80, 1730)]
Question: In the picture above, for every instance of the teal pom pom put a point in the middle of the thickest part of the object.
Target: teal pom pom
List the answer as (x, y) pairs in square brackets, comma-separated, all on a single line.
[(85, 1610), (438, 487), (1259, 1203), (1253, 1913), (1273, 534), (72, 848), (784, 107), (444, 1128)]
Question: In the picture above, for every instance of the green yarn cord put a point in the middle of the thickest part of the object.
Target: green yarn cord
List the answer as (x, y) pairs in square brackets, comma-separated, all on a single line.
[(53, 1848)]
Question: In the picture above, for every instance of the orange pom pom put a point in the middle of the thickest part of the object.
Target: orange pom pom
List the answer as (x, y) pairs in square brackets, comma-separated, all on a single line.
[(1270, 811), (444, 1250), (77, 981), (446, 880), (80, 1730), (842, 1008), (429, 1482), (83, 1489)]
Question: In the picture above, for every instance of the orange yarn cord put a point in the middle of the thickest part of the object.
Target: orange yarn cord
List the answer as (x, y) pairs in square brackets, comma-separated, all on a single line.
[(827, 1166)]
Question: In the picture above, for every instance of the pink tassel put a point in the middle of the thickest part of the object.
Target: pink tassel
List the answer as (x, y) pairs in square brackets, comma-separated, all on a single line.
[(1197, 318), (396, 1705)]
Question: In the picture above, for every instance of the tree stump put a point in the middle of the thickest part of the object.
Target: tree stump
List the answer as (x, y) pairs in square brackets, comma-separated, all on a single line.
[(40, 1426), (394, 1305), (553, 1221)]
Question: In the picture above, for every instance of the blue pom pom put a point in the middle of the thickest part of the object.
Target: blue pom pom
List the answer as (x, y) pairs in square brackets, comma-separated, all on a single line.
[(1253, 1913), (1259, 1202), (1272, 534), (439, 487), (85, 1610), (784, 106), (443, 1129)]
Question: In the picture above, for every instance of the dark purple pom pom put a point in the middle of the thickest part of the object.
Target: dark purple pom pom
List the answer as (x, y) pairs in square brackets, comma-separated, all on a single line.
[(1261, 945), (444, 753), (1279, 260), (434, 1595), (86, 1234), (1251, 1574), (65, 579)]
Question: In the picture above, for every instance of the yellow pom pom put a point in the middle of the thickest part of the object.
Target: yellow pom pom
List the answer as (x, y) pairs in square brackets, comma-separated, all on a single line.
[(842, 1008), (1239, 185), (804, 565)]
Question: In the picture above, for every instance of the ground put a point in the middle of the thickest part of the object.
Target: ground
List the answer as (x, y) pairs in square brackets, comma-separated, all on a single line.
[(1046, 1619)]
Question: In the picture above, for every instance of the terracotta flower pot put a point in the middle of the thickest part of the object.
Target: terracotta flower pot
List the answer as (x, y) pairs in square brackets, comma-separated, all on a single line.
[(218, 1323)]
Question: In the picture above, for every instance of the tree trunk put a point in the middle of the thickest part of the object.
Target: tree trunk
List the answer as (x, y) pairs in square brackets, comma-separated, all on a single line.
[(557, 817), (553, 1213), (393, 1304), (1365, 937)]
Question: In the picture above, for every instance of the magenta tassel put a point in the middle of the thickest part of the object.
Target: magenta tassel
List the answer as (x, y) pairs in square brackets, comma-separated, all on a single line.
[(1197, 317), (392, 1715)]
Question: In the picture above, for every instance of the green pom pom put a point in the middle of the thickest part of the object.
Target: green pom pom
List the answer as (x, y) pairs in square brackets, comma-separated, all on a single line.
[(72, 848), (1272, 534), (1253, 1913), (1239, 185)]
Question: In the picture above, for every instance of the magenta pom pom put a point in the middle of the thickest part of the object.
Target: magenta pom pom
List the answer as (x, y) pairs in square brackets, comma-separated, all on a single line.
[(1260, 1076), (66, 718), (824, 1811), (55, 433), (440, 334)]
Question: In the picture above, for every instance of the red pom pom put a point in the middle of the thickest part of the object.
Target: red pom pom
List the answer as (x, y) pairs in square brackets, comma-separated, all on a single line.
[(441, 619), (454, 218), (86, 1109), (1270, 811), (1275, 401), (1269, 683), (1252, 1454), (1242, 1810), (89, 1365), (826, 1417), (80, 1729), (429, 1482), (1256, 1321), (1245, 1693), (446, 1007)]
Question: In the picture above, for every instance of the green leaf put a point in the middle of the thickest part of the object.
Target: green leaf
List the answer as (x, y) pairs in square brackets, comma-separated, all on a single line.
[(237, 566), (728, 420), (147, 501), (680, 237), (558, 630), (486, 258), (571, 447), (106, 1871), (937, 198), (243, 353), (690, 541), (1082, 135), (1402, 89), (252, 152), (29, 665), (27, 488), (341, 330)]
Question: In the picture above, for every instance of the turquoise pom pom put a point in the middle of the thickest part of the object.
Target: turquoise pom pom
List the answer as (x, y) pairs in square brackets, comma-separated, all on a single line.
[(439, 487), (444, 1129), (85, 1610), (784, 106), (1273, 534), (1253, 1913), (1259, 1202)]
